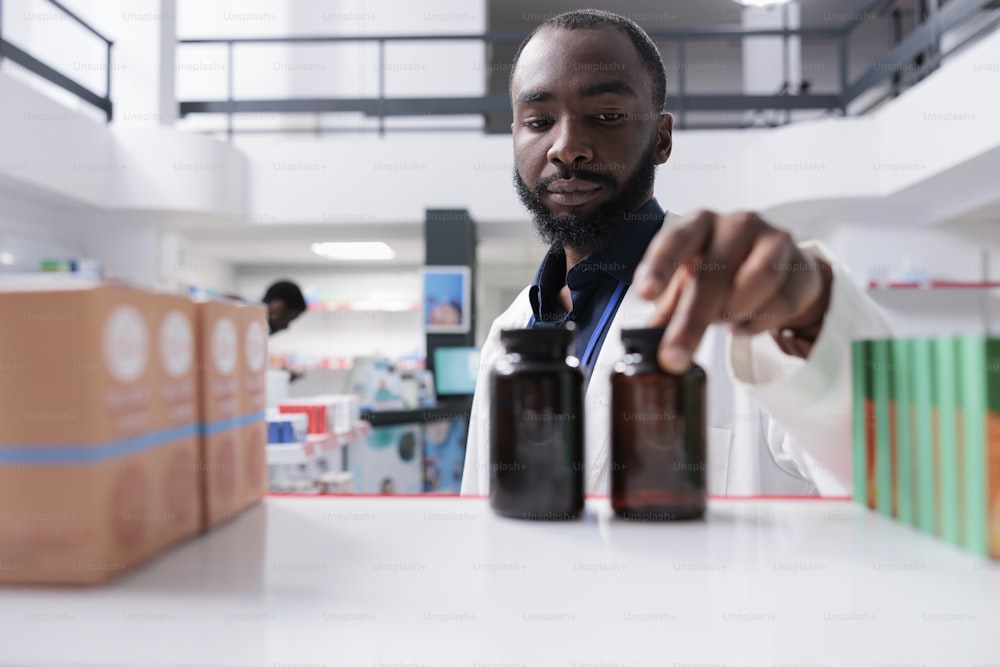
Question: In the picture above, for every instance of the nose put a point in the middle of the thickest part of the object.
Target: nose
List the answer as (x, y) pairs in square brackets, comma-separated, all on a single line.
[(570, 143)]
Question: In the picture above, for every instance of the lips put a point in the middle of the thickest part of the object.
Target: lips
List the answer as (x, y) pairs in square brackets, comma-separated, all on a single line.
[(572, 192)]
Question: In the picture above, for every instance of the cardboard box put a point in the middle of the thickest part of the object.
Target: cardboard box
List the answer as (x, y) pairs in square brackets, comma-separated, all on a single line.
[(219, 373), (903, 471), (252, 323), (922, 353), (176, 400), (947, 396), (863, 445), (980, 362), (884, 426), (946, 454), (89, 472), (964, 386)]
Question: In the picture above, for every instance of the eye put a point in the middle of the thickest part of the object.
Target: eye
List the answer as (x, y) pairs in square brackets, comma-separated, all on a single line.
[(537, 123), (610, 117)]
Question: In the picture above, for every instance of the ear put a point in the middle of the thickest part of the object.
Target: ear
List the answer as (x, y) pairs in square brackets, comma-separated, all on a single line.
[(665, 140)]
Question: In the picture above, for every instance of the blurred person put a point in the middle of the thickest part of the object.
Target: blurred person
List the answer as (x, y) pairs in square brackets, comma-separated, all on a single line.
[(285, 303)]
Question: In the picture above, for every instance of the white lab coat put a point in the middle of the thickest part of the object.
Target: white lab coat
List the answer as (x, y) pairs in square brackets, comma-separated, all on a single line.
[(777, 424)]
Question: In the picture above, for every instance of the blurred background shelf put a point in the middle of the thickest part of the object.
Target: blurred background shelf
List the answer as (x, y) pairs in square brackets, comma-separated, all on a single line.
[(933, 285), (315, 446)]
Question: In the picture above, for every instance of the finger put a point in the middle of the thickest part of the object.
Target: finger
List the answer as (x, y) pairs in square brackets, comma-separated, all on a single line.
[(667, 301), (672, 246), (800, 283), (671, 356), (707, 293), (803, 288), (757, 281), (782, 307)]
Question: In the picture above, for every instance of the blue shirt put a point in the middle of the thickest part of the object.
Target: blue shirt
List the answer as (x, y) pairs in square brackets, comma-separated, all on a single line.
[(593, 283)]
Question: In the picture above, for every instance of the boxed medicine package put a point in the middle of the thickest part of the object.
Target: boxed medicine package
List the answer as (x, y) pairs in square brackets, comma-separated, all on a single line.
[(927, 435), (98, 437), (233, 348), (105, 455)]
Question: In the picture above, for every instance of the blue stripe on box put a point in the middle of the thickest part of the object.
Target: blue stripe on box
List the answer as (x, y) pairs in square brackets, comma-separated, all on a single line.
[(212, 428), (84, 453), (76, 453)]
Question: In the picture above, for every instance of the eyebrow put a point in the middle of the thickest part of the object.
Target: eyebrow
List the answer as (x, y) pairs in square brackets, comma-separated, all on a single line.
[(534, 96), (616, 87)]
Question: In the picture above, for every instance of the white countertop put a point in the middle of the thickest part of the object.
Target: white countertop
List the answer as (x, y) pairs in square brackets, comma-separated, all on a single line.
[(429, 581)]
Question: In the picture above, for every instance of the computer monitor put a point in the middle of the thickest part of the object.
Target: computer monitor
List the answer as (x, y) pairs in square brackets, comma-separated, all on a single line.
[(455, 370)]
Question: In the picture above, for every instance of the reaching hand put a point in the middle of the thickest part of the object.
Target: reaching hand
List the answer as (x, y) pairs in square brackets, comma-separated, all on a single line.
[(733, 268)]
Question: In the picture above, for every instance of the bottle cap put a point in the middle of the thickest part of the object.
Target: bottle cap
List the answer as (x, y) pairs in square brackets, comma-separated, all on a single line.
[(642, 340), (537, 336)]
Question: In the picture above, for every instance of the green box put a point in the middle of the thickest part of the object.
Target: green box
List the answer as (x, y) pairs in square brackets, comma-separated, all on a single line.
[(922, 375), (884, 428), (946, 400), (861, 420), (903, 465), (979, 358)]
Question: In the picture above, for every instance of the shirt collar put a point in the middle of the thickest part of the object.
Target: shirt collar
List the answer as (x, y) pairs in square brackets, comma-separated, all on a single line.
[(619, 259)]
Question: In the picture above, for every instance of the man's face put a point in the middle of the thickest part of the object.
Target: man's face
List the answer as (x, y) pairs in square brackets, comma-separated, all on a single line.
[(587, 135), (279, 315)]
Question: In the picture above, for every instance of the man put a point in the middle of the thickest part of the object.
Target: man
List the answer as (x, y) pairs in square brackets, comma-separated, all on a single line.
[(285, 303), (588, 89)]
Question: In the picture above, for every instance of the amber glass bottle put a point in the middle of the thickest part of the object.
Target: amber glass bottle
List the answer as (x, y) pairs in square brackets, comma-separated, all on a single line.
[(657, 435), (536, 427)]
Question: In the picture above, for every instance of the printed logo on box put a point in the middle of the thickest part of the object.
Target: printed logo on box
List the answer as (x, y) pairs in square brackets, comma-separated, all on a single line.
[(126, 344), (224, 346), (256, 349), (176, 343)]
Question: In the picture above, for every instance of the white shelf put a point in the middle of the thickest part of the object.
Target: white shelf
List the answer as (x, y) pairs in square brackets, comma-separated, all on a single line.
[(315, 446), (442, 581), (932, 285)]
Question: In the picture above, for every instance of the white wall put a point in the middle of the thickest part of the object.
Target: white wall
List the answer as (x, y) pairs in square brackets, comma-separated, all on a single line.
[(183, 265), (930, 155), (898, 253), (31, 232), (498, 286), (902, 154), (72, 157)]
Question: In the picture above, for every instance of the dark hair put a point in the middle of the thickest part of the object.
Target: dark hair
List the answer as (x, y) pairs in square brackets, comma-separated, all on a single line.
[(287, 291), (582, 19)]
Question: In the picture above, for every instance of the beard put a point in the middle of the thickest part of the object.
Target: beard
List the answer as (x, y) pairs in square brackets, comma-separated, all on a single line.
[(589, 232)]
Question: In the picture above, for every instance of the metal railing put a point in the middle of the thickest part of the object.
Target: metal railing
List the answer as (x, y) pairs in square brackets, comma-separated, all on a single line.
[(32, 64), (924, 39)]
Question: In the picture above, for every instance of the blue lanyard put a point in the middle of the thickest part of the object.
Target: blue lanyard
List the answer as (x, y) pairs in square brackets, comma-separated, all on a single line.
[(609, 309)]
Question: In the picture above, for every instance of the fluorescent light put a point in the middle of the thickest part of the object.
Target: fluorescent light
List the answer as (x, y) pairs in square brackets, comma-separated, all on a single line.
[(761, 3), (358, 250), (6, 259)]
